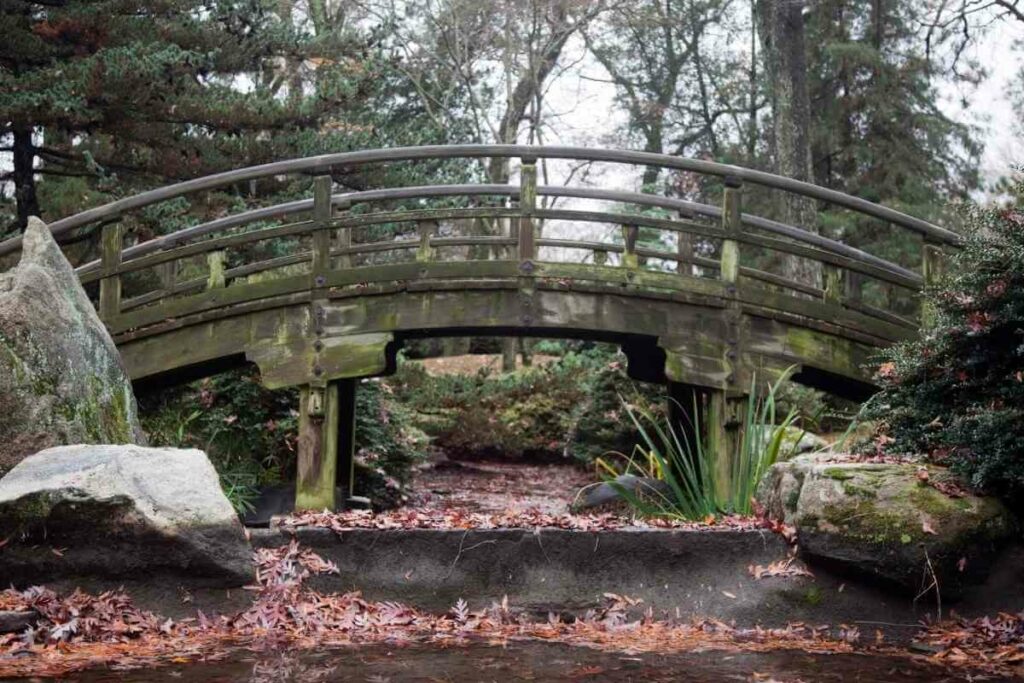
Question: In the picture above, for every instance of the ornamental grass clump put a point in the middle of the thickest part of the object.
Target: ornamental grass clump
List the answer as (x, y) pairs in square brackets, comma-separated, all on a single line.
[(956, 395), (685, 466)]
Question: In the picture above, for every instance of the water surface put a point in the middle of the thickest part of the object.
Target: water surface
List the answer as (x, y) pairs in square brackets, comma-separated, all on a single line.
[(537, 662)]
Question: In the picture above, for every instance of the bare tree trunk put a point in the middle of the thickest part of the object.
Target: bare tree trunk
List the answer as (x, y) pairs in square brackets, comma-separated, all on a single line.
[(781, 28)]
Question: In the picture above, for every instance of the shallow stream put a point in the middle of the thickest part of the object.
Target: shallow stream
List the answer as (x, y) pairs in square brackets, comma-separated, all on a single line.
[(530, 662)]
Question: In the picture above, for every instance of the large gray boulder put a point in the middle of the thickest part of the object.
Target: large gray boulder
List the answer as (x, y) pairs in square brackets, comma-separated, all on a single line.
[(119, 511), (61, 378), (904, 523)]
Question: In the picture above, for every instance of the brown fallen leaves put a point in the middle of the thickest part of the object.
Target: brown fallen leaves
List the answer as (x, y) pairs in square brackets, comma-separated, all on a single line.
[(992, 645), (453, 518), (788, 568)]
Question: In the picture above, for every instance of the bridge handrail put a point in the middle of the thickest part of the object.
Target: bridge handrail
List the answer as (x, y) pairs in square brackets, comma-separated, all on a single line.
[(413, 192), (323, 163)]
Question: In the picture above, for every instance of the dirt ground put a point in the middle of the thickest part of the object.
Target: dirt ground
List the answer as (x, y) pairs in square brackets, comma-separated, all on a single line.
[(498, 487), (470, 364)]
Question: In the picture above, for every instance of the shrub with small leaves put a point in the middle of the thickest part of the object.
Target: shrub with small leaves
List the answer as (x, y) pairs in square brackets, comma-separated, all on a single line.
[(957, 393)]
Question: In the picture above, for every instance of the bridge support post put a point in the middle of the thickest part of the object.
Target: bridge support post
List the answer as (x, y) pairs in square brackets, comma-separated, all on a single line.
[(318, 448), (327, 431)]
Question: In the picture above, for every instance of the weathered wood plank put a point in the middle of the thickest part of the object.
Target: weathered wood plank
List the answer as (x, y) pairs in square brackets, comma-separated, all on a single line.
[(110, 285), (317, 448), (527, 250)]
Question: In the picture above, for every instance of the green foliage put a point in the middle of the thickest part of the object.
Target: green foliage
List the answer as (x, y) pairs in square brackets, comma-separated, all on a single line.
[(250, 433), (957, 393), (387, 446), (601, 423), (567, 406), (115, 96), (687, 464)]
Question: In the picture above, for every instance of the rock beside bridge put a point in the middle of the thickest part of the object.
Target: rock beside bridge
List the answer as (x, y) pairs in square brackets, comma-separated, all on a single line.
[(61, 377), (119, 511), (900, 522)]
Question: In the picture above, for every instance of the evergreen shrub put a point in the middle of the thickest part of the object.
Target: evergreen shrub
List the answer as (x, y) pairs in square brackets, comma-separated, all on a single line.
[(957, 394)]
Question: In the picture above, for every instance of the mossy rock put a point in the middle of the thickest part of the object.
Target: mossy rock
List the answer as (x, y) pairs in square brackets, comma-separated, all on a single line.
[(61, 377), (886, 520)]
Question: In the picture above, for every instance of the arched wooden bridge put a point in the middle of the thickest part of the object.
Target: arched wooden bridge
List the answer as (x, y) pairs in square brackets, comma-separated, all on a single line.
[(327, 303)]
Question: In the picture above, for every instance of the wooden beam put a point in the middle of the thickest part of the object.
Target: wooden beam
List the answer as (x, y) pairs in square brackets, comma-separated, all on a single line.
[(425, 251), (110, 259), (630, 234), (317, 448), (216, 276), (527, 208), (834, 284), (322, 210)]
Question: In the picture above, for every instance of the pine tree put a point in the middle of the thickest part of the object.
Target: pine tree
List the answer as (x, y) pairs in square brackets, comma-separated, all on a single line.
[(106, 97), (879, 132)]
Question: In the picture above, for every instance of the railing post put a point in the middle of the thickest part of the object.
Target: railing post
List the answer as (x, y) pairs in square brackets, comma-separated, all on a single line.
[(426, 230), (343, 235), (527, 206), (731, 226), (168, 274), (322, 214), (630, 235), (215, 261), (110, 261), (600, 257), (684, 250), (834, 288), (318, 401), (933, 268), (724, 424)]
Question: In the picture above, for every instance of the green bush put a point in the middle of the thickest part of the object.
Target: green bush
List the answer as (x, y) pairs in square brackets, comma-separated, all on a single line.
[(956, 395), (601, 422), (250, 432)]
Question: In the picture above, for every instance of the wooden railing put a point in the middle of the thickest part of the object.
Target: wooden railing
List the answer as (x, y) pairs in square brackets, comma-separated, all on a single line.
[(325, 230)]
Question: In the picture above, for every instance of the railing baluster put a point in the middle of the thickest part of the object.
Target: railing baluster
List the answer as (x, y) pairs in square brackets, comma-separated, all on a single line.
[(343, 236), (426, 230), (684, 249), (215, 261), (630, 234), (322, 213), (527, 205), (933, 267), (168, 274), (732, 226), (834, 278), (110, 261)]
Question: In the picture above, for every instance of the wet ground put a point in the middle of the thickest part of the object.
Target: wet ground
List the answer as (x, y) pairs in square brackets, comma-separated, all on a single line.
[(533, 662), (492, 487)]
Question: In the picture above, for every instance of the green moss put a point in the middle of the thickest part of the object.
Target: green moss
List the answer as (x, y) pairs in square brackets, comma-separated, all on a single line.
[(793, 499), (813, 596), (838, 473), (852, 489)]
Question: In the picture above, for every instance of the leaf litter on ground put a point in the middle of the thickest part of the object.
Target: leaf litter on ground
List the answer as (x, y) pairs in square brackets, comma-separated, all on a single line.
[(80, 631)]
